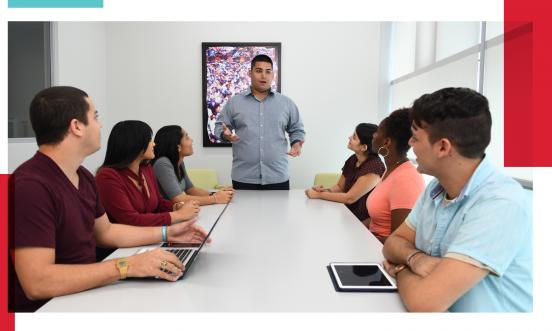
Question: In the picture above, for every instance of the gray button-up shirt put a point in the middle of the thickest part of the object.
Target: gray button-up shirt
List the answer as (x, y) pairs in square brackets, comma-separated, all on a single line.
[(260, 155)]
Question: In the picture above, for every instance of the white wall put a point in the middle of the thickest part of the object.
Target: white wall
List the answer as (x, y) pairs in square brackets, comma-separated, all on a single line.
[(330, 70), (79, 59), (151, 71)]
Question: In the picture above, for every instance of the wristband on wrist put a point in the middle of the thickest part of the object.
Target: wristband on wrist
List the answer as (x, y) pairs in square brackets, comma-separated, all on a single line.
[(164, 233), (409, 257)]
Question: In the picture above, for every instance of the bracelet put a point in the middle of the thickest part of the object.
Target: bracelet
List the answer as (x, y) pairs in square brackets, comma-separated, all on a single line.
[(409, 257), (215, 196), (164, 233)]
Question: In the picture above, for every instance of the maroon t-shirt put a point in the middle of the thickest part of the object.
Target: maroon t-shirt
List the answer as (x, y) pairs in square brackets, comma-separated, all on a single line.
[(351, 173), (49, 211), (127, 204)]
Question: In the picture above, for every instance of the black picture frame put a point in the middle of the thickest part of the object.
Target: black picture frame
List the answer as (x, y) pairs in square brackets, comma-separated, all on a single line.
[(225, 68)]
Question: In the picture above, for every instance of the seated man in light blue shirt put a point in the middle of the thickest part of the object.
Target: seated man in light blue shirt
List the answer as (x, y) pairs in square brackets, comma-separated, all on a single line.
[(466, 246), (261, 118)]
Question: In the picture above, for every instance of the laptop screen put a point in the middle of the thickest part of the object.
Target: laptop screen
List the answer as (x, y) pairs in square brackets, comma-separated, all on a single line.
[(210, 231)]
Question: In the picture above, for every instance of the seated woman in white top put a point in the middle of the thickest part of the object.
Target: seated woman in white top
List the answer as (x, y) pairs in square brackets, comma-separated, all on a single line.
[(172, 144)]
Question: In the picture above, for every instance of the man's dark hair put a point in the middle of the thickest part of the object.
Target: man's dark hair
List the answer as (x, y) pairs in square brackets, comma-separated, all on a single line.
[(52, 110), (459, 114), (397, 127), (167, 140), (365, 132), (126, 141), (261, 58)]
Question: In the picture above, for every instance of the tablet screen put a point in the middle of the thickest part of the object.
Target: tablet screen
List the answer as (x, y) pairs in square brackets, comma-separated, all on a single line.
[(361, 276)]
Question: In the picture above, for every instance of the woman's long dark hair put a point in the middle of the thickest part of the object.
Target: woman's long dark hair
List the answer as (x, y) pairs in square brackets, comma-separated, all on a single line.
[(167, 140), (365, 132), (127, 140)]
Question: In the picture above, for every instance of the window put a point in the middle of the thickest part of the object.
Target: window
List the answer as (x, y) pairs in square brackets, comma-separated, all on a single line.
[(28, 72), (458, 58)]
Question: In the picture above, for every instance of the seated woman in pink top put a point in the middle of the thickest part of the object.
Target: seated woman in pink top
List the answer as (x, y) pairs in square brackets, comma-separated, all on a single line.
[(126, 181), (401, 185)]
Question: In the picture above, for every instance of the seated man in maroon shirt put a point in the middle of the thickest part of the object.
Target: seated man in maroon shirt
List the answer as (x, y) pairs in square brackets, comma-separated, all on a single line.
[(58, 218)]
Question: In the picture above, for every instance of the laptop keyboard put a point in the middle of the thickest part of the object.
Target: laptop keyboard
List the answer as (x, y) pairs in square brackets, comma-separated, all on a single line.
[(182, 254)]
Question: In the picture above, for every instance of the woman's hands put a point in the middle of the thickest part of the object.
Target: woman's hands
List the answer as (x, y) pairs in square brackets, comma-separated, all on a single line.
[(185, 211), (314, 192), (224, 195), (186, 232)]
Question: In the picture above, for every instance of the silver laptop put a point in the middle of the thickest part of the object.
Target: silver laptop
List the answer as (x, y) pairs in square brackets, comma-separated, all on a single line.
[(186, 252)]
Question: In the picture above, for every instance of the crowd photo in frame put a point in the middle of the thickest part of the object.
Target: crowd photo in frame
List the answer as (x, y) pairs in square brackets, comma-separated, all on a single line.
[(225, 68)]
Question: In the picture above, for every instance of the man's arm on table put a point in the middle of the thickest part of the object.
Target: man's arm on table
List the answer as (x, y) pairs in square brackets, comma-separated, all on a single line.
[(431, 283)]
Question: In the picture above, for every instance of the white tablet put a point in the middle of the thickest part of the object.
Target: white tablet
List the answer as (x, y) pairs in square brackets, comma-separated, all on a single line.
[(361, 277)]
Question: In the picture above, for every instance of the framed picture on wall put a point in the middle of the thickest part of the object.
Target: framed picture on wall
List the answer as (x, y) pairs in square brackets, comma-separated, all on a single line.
[(225, 73)]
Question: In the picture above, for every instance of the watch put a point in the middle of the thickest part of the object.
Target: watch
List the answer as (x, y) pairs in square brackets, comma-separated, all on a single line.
[(122, 266)]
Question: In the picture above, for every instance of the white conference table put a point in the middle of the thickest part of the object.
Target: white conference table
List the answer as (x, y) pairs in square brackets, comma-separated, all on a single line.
[(269, 253)]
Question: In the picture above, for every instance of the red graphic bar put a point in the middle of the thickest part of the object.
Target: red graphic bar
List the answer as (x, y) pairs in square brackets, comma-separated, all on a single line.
[(527, 75), (7, 319)]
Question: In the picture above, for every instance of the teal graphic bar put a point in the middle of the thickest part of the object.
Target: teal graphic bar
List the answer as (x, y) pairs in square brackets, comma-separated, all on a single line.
[(55, 3)]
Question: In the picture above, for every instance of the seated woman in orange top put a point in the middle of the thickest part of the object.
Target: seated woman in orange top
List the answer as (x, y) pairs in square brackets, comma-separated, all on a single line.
[(360, 174), (401, 185), (126, 182)]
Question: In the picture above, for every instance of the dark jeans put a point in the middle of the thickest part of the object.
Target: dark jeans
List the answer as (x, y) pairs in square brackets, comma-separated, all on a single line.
[(246, 186)]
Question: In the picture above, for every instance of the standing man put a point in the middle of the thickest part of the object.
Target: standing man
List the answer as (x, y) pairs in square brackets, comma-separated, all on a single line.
[(260, 118), (57, 214), (466, 244)]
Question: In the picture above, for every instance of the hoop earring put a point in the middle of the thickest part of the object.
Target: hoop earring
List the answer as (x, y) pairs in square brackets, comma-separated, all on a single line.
[(386, 151)]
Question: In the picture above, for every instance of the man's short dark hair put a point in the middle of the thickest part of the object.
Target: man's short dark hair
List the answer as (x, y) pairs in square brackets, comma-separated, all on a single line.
[(261, 58), (459, 114), (53, 109)]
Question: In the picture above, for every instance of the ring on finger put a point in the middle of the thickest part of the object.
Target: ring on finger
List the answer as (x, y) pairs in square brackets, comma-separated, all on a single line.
[(164, 265)]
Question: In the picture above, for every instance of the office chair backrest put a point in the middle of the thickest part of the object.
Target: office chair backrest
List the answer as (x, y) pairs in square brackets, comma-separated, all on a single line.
[(206, 179), (327, 179)]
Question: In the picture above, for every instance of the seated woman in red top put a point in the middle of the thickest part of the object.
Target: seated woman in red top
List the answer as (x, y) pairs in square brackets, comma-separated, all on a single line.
[(126, 182), (400, 187), (360, 174)]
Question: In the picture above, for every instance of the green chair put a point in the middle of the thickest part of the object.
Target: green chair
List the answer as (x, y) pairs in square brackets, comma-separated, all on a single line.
[(327, 179), (206, 179)]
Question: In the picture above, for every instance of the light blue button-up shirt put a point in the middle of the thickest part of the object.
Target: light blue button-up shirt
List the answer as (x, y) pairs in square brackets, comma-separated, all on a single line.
[(260, 155), (490, 223)]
